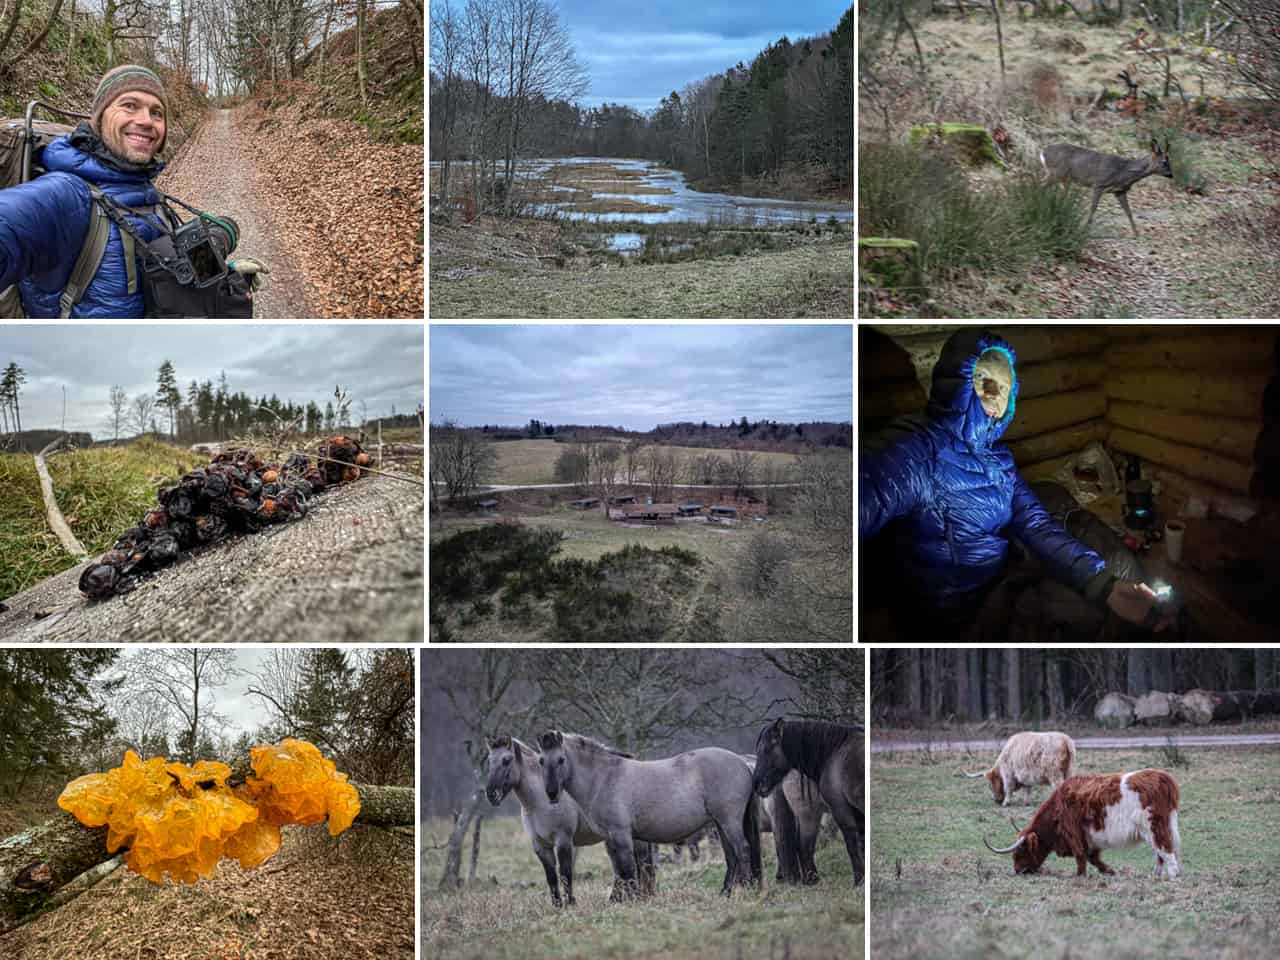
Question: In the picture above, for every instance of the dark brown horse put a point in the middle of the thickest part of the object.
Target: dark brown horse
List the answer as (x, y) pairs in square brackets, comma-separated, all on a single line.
[(829, 754)]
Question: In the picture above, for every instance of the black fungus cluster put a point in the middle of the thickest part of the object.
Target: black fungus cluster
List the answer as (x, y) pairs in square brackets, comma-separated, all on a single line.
[(235, 493)]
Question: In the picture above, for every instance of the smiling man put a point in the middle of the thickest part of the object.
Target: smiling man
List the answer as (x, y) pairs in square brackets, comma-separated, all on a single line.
[(95, 177)]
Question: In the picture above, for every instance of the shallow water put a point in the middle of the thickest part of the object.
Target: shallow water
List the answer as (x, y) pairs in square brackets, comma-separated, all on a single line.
[(686, 205)]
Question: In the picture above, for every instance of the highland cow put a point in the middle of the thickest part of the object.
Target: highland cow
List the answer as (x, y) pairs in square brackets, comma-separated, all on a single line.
[(1029, 759)]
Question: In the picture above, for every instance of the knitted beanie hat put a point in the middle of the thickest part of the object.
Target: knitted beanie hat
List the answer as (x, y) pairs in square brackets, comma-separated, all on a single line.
[(120, 80)]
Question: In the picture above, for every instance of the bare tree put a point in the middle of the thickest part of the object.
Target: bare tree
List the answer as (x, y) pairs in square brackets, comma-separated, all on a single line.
[(143, 412), (461, 459), (660, 467), (181, 680), (118, 401), (742, 466), (603, 459)]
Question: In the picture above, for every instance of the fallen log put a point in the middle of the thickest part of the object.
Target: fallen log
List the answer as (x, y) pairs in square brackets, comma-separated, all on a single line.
[(40, 862), (57, 522)]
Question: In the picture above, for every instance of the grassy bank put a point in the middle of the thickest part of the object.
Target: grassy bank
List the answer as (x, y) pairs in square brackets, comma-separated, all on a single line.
[(814, 280), (507, 915), (937, 892), (101, 492)]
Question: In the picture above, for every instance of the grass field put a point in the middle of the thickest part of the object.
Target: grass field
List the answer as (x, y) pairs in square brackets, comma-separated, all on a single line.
[(534, 461), (506, 914), (101, 492), (813, 280), (937, 892)]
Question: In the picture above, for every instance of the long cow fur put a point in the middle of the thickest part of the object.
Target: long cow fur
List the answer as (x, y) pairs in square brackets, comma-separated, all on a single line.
[(1086, 815), (1029, 759)]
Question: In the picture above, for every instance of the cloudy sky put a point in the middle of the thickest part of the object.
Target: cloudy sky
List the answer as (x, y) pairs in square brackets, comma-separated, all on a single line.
[(637, 53), (637, 376), (380, 365)]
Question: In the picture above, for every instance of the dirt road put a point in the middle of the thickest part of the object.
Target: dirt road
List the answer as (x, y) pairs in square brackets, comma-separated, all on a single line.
[(1090, 743), (212, 174)]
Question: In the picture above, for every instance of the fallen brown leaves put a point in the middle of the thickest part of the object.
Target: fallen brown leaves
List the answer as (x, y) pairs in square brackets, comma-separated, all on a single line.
[(351, 210), (319, 898)]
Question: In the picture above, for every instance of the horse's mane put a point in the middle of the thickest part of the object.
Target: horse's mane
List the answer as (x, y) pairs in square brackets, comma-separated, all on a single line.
[(808, 743), (596, 746)]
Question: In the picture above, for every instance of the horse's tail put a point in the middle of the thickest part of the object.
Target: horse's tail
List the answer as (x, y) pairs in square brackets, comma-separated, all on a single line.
[(751, 827), (786, 837)]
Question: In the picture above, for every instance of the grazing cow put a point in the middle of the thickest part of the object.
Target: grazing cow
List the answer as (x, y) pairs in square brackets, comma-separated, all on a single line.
[(1087, 815), (1028, 759)]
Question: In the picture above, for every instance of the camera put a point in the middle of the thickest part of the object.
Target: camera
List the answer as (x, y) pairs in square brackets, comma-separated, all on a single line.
[(201, 247)]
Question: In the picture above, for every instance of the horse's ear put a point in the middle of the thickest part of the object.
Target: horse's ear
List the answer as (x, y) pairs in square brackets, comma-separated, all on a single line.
[(516, 747), (500, 742), (777, 727)]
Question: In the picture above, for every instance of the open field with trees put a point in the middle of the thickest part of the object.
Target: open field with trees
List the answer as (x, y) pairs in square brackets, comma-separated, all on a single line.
[(957, 107)]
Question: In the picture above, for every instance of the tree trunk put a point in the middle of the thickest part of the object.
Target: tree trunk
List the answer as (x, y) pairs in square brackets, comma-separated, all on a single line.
[(475, 850), (1137, 681), (451, 879), (48, 24), (934, 667), (38, 862), (1263, 668), (961, 658), (999, 37), (361, 75), (915, 695), (974, 696), (1053, 681), (1013, 683)]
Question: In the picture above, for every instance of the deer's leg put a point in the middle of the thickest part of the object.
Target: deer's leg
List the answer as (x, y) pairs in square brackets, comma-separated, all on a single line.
[(1123, 197), (1097, 195)]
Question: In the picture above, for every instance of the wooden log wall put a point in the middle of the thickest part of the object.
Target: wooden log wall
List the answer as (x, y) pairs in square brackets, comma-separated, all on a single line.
[(1187, 400)]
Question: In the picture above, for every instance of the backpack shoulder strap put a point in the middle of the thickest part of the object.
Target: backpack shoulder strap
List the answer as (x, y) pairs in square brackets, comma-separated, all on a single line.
[(90, 258)]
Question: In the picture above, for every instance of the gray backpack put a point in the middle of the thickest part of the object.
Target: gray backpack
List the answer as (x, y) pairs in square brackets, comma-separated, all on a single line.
[(20, 144)]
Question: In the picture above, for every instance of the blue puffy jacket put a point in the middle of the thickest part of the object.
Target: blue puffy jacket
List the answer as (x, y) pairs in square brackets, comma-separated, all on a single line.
[(43, 225), (951, 496)]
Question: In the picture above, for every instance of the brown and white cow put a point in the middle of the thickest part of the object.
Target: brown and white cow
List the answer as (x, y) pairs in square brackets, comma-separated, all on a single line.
[(1029, 759), (1087, 815)]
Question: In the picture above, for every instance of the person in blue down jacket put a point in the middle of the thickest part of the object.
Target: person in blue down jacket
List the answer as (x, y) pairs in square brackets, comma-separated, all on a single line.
[(950, 497)]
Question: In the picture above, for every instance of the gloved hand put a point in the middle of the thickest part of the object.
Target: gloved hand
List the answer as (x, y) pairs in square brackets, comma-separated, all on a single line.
[(252, 270), (1134, 602)]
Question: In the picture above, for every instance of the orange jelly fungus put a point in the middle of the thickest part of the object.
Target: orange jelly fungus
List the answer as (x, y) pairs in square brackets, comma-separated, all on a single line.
[(183, 819)]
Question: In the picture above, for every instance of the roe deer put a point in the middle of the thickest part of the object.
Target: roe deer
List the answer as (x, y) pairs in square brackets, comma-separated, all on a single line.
[(1103, 172)]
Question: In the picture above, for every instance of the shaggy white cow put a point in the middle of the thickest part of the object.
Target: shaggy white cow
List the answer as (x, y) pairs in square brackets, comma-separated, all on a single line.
[(1028, 759)]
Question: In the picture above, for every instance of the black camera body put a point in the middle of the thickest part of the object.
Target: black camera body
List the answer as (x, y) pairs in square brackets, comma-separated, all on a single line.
[(200, 250)]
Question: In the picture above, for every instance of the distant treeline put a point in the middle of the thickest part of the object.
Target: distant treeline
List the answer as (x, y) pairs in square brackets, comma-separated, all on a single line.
[(741, 434), (33, 441), (792, 107)]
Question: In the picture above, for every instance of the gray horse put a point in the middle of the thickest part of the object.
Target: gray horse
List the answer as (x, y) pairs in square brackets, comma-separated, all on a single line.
[(792, 812), (830, 754), (554, 830), (662, 801)]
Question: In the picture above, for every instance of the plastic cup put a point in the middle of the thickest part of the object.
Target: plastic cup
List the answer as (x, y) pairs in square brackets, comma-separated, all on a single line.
[(1174, 531)]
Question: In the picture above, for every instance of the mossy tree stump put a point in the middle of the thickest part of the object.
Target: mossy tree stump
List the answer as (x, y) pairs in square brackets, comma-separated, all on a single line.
[(970, 142), (891, 263)]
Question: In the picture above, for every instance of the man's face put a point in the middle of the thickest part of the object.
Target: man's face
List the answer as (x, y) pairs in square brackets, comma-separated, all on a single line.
[(993, 382), (133, 126)]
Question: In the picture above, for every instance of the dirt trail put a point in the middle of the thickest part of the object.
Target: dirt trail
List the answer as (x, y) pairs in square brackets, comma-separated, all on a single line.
[(212, 173)]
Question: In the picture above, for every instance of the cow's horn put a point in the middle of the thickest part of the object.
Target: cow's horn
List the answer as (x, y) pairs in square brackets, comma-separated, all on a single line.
[(1016, 844), (980, 773)]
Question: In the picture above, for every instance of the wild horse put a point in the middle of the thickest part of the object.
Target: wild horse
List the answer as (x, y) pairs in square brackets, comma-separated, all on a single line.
[(661, 801), (554, 830), (829, 754), (792, 812)]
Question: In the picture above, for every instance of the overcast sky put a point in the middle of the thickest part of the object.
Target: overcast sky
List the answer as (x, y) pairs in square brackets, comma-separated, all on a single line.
[(637, 53), (637, 376), (380, 365)]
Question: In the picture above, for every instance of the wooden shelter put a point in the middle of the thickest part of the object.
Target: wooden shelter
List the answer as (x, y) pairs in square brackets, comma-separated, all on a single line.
[(645, 513), (587, 503), (1199, 407)]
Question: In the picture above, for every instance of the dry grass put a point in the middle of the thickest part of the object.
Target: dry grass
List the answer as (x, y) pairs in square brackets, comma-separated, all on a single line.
[(613, 205), (614, 186), (507, 915), (815, 280), (316, 899), (534, 461), (597, 171), (937, 893)]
